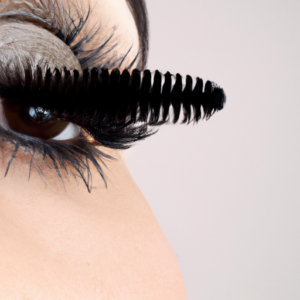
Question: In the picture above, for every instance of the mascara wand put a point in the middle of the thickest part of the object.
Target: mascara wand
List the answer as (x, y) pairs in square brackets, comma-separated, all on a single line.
[(116, 96)]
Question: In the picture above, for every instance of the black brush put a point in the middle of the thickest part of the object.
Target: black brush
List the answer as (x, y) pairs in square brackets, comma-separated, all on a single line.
[(117, 95), (108, 103)]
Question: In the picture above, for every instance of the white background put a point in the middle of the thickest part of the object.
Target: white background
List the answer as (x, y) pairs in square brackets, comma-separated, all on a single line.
[(226, 192)]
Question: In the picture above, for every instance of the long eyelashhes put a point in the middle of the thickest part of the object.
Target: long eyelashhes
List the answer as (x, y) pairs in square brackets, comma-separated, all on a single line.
[(114, 108)]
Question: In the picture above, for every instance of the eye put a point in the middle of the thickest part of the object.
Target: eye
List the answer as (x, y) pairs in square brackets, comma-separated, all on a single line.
[(36, 122)]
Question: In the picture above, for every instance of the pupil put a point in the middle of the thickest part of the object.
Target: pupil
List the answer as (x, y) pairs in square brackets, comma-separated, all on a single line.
[(39, 114)]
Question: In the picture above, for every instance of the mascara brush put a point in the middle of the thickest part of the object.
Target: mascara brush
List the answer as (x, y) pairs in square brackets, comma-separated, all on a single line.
[(114, 96)]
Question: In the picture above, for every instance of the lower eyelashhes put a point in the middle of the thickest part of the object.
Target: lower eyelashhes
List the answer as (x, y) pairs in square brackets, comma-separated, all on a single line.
[(70, 157)]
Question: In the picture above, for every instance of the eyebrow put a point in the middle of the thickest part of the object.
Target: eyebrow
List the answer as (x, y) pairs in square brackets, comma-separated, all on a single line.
[(56, 18)]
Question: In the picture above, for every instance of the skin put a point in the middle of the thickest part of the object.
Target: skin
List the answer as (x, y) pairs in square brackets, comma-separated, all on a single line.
[(67, 243)]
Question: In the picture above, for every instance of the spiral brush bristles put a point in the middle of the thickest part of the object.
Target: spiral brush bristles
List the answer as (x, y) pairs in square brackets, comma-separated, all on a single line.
[(118, 96)]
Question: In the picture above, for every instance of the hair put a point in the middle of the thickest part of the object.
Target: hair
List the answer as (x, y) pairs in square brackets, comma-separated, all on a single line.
[(139, 11)]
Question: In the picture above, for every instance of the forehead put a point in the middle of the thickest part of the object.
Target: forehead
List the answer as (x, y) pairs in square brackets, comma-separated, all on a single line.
[(103, 25)]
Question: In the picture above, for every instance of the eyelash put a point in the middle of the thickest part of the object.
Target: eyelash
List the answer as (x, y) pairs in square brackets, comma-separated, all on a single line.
[(67, 157)]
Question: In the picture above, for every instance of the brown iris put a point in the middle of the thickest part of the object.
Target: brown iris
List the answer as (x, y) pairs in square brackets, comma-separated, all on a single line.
[(33, 121)]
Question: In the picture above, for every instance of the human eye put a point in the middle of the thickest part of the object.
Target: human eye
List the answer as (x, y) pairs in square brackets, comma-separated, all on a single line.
[(48, 140), (36, 122)]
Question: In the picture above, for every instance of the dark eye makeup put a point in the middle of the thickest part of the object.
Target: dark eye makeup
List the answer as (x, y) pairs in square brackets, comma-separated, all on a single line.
[(59, 118)]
